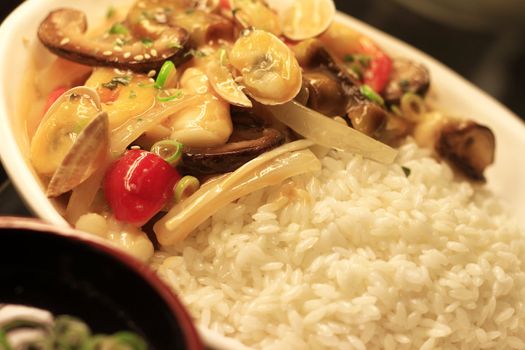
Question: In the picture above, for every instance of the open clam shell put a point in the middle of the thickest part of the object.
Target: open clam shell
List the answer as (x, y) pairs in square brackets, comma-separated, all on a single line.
[(306, 19), (84, 157), (69, 142)]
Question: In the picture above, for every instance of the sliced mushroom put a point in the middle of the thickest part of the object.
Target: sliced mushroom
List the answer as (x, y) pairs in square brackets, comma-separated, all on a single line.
[(71, 141), (63, 32), (249, 139), (406, 76), (365, 115), (325, 94), (468, 145)]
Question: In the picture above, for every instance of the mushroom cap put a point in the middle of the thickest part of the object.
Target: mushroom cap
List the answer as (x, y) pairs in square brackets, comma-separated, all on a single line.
[(406, 76), (63, 32), (249, 139)]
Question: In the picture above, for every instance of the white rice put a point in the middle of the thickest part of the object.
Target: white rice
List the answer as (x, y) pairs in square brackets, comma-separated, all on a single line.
[(358, 256)]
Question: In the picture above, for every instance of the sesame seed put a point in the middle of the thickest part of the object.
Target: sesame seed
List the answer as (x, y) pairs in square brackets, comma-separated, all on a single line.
[(107, 53), (127, 54), (135, 147), (119, 41), (152, 73), (153, 52), (117, 49), (138, 57), (147, 56), (64, 41)]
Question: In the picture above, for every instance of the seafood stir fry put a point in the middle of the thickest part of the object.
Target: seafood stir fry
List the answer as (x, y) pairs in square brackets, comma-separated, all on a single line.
[(177, 107)]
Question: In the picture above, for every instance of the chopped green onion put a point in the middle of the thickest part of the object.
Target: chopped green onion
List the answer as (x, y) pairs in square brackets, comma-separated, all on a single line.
[(406, 171), (4, 345), (111, 12), (169, 150), (395, 109), (130, 339), (175, 96), (166, 71), (370, 94), (412, 107), (349, 58), (147, 42), (118, 28), (70, 332), (174, 45), (187, 186), (115, 81), (195, 53)]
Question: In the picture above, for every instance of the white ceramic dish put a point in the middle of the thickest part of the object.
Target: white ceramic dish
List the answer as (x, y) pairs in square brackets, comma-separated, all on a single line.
[(454, 94)]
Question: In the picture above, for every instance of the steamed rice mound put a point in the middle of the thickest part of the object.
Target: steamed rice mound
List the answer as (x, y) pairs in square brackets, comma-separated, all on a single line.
[(358, 256)]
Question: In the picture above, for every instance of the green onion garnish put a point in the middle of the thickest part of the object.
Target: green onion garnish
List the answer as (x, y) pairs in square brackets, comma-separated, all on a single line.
[(147, 42), (118, 28), (370, 94), (167, 69), (187, 186), (111, 12), (175, 96), (129, 339), (169, 150), (115, 81)]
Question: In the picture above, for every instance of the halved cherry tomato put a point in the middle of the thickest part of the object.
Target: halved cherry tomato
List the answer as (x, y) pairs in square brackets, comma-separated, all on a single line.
[(53, 96), (378, 72), (225, 4), (138, 185)]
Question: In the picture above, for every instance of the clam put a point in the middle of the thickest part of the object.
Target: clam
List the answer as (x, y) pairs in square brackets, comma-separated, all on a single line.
[(222, 81), (269, 70), (256, 14), (72, 140), (307, 18)]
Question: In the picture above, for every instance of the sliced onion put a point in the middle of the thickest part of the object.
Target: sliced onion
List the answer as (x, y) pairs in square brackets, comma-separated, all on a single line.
[(186, 216), (326, 132)]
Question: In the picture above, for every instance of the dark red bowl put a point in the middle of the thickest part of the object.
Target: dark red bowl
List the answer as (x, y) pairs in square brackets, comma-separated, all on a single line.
[(67, 272)]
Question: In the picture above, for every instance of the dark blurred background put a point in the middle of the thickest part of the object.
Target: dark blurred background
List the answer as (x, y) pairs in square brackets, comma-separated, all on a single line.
[(483, 40)]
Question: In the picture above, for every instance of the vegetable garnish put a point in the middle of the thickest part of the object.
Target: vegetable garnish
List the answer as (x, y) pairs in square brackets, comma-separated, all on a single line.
[(187, 186), (30, 328), (116, 81), (169, 150), (406, 171), (111, 12), (174, 96), (119, 29), (326, 132), (166, 72), (412, 107), (147, 42), (370, 94)]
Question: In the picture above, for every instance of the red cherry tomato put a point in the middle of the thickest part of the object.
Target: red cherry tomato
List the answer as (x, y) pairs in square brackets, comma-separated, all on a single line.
[(138, 185), (53, 96), (377, 74)]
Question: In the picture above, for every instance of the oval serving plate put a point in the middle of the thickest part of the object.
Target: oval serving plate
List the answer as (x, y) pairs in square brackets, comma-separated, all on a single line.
[(453, 94)]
